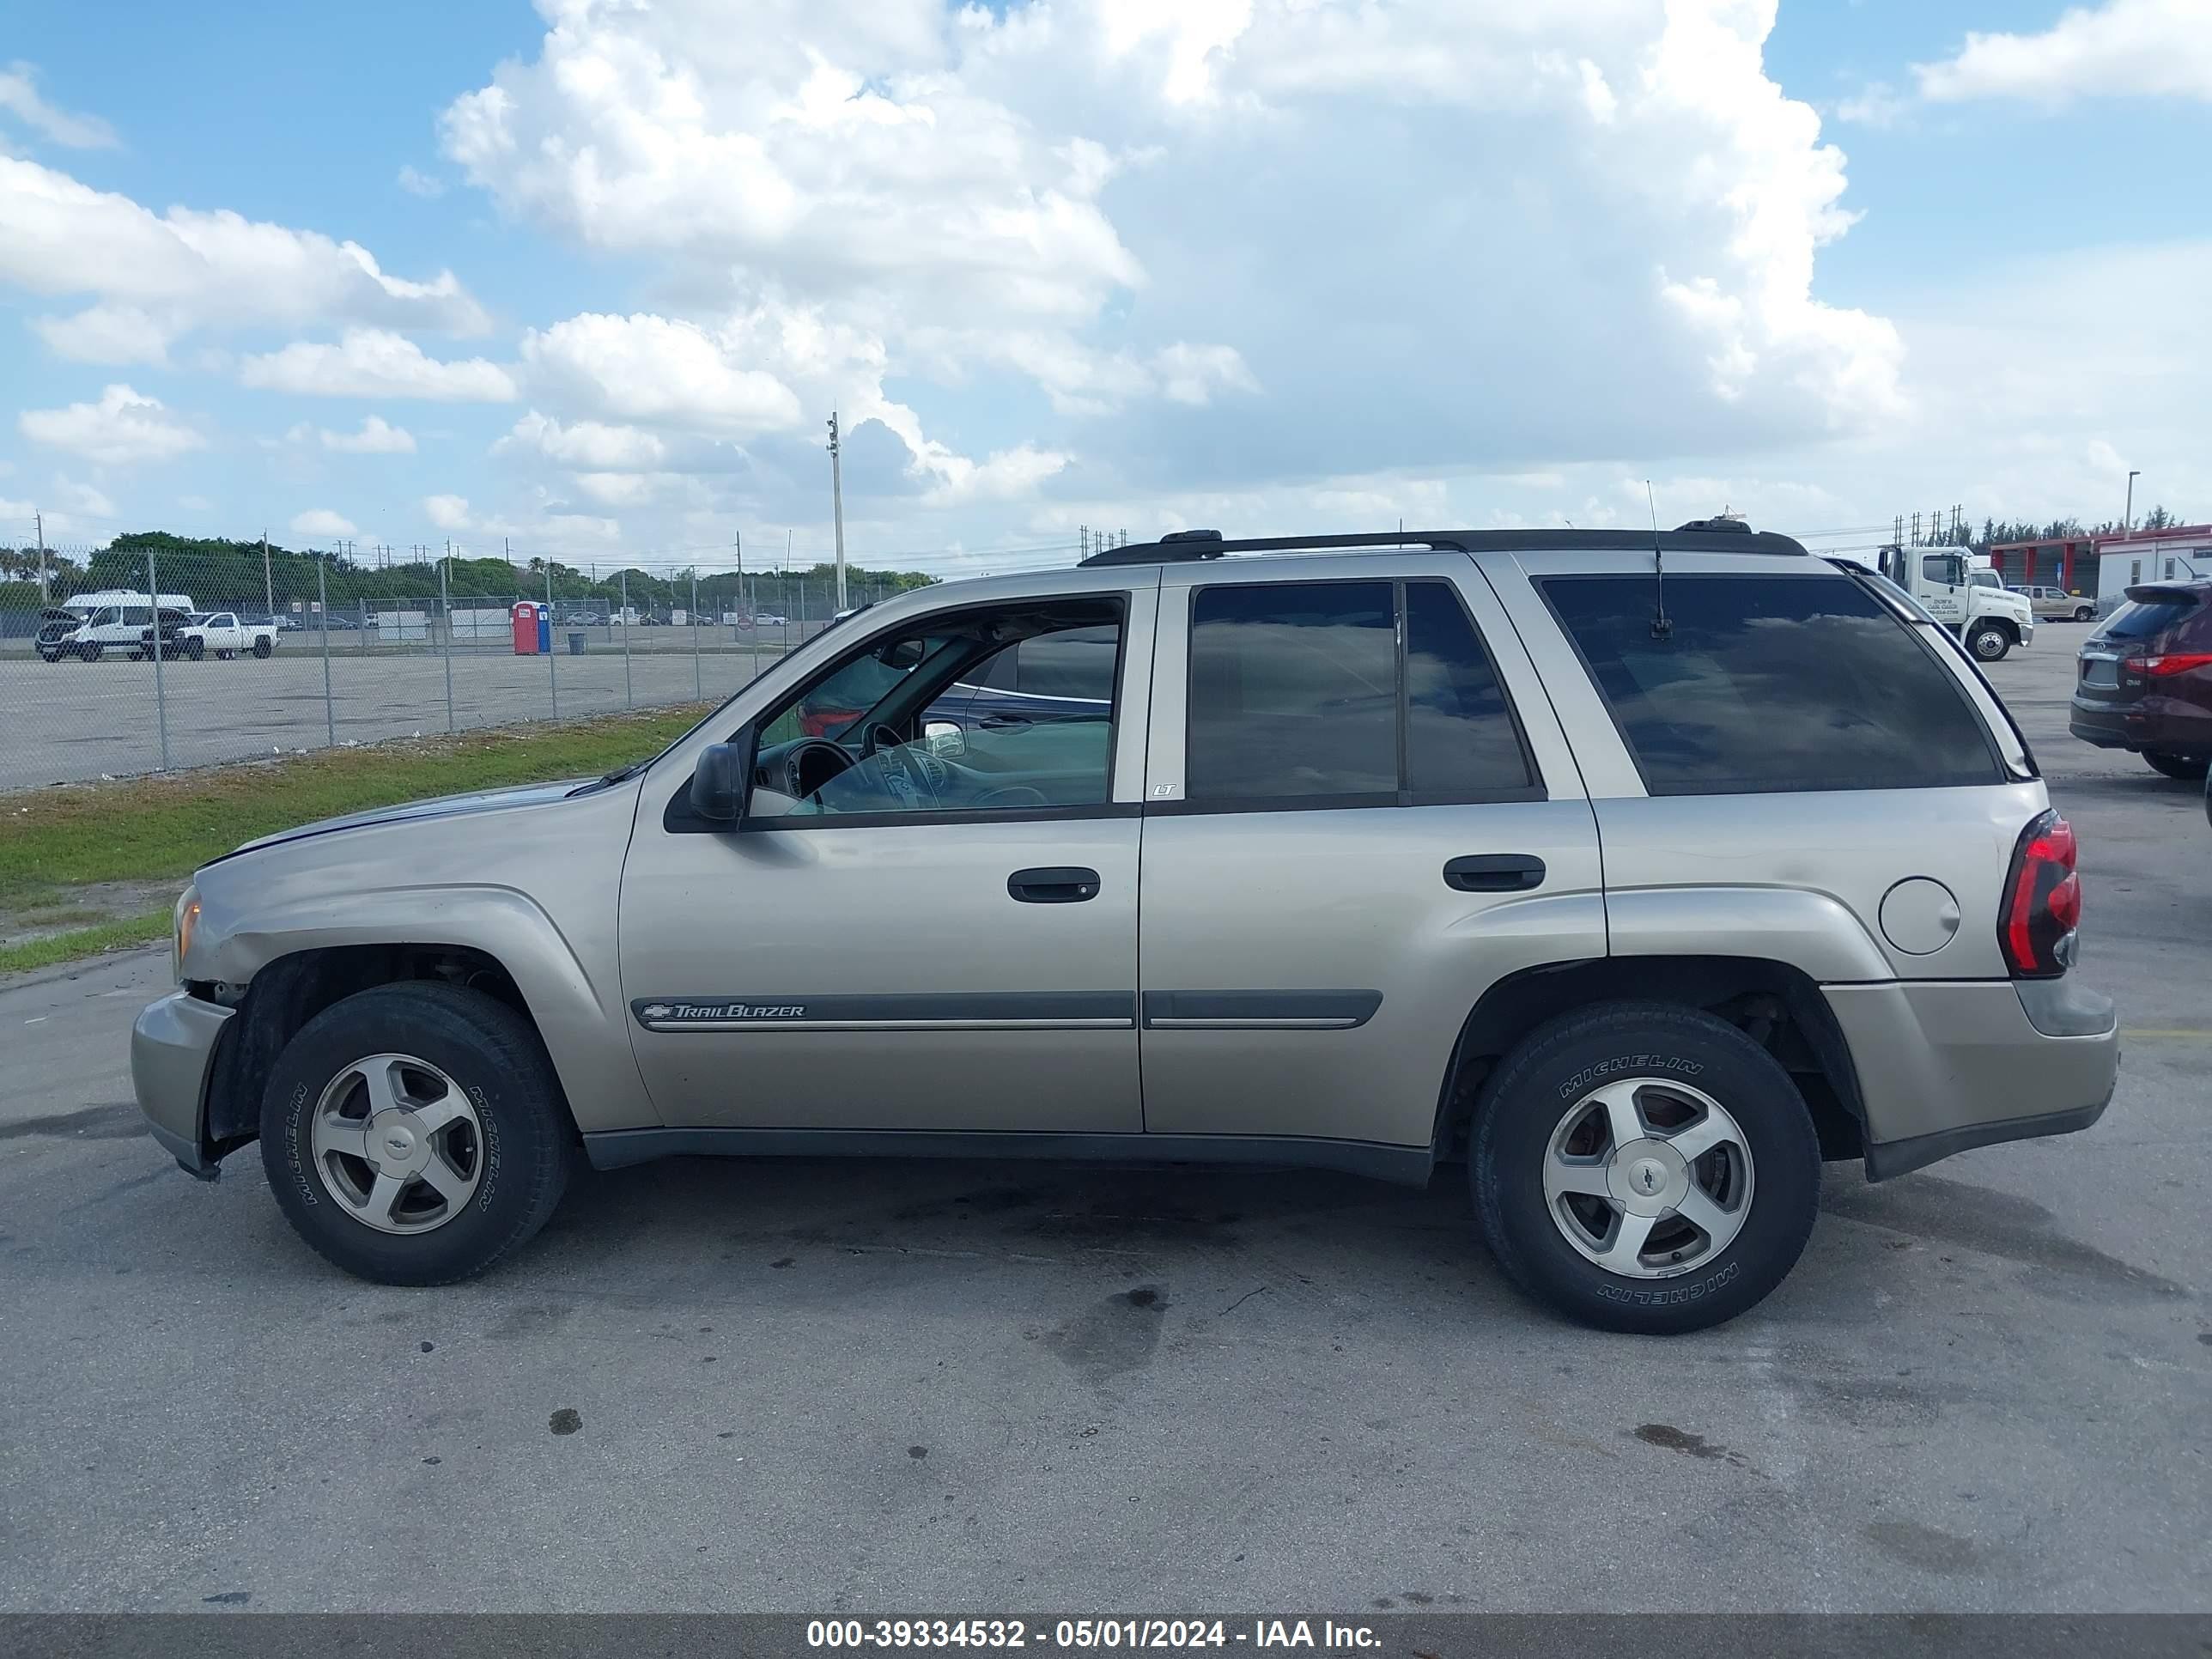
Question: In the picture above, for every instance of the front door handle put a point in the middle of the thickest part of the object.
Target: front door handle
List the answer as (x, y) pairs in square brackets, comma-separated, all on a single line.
[(1494, 872), (1053, 884)]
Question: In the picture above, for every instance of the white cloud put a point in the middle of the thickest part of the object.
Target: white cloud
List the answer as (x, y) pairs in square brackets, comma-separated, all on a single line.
[(418, 183), (1010, 475), (18, 96), (123, 428), (653, 368), (1158, 210), (621, 489), (370, 362), (1877, 104), (153, 278), (447, 511), (196, 503), (2124, 48), (376, 437), (323, 525), (591, 445), (106, 334), (82, 498)]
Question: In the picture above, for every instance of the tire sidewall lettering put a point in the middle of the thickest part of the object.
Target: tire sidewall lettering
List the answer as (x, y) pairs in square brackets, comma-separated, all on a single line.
[(1589, 1077)]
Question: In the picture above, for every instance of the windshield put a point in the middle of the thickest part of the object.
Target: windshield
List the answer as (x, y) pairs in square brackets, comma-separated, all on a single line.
[(1986, 579)]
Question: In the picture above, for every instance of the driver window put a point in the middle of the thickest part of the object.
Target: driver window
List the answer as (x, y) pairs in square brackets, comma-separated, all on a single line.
[(883, 731)]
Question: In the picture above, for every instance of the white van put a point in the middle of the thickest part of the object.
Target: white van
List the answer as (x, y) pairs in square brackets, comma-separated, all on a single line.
[(88, 625)]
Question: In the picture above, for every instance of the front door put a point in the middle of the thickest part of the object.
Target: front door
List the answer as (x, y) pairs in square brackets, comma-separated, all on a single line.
[(1361, 814), (910, 932)]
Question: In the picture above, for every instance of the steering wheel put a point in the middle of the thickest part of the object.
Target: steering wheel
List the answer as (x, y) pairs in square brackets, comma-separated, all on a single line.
[(900, 761), (878, 737), (821, 754)]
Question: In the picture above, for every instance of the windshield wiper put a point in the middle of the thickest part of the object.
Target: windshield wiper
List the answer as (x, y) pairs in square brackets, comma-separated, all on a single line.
[(623, 774)]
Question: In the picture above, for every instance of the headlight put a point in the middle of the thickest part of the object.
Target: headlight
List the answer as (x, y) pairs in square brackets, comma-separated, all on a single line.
[(187, 922)]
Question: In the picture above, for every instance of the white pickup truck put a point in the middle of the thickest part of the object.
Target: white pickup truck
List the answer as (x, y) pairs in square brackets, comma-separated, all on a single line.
[(220, 633)]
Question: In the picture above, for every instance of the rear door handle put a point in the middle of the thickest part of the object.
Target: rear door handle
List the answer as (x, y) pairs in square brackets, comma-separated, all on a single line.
[(1053, 884), (1494, 872)]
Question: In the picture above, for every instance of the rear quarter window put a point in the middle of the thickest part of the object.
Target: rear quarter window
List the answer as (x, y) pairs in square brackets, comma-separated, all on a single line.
[(1770, 683), (2146, 619)]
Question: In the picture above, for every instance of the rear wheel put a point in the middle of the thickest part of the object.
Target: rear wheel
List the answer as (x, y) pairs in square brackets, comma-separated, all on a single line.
[(2083, 612), (2188, 767), (1644, 1168), (264, 646), (415, 1134), (1988, 641)]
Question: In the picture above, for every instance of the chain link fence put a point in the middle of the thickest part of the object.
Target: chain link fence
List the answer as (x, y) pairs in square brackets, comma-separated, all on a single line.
[(122, 661)]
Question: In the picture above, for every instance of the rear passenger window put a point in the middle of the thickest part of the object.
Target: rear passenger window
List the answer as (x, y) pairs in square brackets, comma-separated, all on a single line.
[(1294, 691), (1460, 740), (1769, 683), (1300, 694)]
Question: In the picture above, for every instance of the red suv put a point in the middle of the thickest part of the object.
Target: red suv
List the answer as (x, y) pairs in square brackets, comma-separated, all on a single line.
[(2144, 678)]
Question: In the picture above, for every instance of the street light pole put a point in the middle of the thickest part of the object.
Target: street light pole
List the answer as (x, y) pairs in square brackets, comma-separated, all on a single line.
[(837, 504), (2128, 518), (268, 589)]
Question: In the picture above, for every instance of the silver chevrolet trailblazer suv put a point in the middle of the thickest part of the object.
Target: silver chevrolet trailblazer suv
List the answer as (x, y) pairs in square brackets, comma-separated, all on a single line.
[(1639, 873)]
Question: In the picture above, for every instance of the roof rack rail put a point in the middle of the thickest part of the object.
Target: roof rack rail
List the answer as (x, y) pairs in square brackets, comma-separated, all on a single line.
[(1187, 546)]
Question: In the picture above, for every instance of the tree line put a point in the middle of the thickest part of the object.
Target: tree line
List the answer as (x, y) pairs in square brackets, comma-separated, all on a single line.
[(1998, 533), (232, 572)]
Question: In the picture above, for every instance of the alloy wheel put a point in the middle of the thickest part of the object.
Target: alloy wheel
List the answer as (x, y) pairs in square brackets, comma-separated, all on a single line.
[(1648, 1178), (397, 1143)]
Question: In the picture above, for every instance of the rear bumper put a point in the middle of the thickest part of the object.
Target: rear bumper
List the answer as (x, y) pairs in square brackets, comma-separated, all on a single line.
[(1945, 1067), (2149, 722), (171, 1050)]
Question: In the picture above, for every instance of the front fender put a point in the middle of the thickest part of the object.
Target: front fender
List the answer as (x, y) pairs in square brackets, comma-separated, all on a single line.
[(577, 1012)]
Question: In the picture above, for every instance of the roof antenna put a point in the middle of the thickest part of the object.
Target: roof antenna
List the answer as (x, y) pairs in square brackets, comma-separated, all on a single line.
[(1660, 627)]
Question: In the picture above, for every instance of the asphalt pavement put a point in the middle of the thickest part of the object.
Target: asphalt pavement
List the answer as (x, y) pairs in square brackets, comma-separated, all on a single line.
[(966, 1388)]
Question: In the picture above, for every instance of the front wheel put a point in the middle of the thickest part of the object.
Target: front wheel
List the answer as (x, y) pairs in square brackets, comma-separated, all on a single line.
[(415, 1134), (1987, 643), (49, 656), (89, 653), (1644, 1168), (2189, 769)]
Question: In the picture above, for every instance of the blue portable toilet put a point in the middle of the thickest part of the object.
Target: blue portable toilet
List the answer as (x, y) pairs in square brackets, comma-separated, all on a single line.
[(545, 630)]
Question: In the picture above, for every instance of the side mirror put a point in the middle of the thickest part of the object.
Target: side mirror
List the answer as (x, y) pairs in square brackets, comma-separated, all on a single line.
[(723, 779), (944, 739), (900, 653)]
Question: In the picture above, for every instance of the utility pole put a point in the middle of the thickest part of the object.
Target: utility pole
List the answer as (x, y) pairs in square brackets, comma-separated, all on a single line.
[(738, 541), (43, 595), (837, 503), (2128, 518), (268, 588)]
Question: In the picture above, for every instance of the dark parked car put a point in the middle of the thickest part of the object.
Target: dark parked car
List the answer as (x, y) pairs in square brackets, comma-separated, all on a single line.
[(2144, 679)]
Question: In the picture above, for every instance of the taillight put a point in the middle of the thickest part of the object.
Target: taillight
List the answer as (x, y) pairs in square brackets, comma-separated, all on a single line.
[(2043, 900), (2172, 662)]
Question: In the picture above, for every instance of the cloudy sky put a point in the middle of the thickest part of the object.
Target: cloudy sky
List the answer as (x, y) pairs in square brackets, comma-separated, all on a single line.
[(588, 279)]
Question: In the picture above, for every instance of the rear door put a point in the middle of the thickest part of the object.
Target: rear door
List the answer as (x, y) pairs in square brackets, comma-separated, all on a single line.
[(1360, 814)]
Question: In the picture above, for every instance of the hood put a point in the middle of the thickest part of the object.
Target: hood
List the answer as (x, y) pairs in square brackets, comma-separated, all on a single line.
[(443, 806)]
